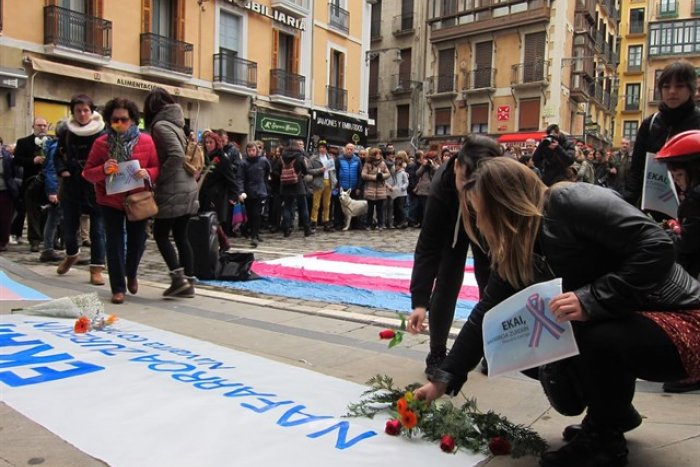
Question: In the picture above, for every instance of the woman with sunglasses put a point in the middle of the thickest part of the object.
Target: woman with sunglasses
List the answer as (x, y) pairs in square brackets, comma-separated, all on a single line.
[(123, 142), (634, 310)]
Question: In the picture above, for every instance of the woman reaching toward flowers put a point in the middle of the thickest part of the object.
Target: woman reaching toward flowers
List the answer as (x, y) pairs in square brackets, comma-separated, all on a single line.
[(122, 142), (634, 310)]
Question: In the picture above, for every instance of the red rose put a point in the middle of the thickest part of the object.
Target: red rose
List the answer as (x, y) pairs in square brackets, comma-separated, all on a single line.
[(447, 443), (216, 160), (387, 334), (499, 446), (82, 325), (393, 427)]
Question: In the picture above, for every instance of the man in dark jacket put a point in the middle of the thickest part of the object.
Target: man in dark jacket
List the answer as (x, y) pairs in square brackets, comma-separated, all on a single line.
[(553, 156), (28, 155), (441, 251)]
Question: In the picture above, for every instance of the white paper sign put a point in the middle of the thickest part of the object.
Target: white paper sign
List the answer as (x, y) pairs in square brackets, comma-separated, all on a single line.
[(658, 192), (124, 180), (521, 332)]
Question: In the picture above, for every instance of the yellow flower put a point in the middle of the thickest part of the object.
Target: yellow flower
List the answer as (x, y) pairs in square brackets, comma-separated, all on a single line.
[(111, 319), (408, 395), (120, 128)]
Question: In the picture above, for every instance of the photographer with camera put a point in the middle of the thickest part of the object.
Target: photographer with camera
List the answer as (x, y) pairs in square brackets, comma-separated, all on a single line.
[(553, 156)]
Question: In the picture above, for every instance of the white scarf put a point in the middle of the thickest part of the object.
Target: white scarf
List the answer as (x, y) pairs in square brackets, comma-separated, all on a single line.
[(94, 126)]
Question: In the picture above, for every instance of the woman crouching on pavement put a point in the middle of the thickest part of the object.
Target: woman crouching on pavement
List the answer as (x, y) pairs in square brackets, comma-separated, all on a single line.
[(635, 311), (122, 142)]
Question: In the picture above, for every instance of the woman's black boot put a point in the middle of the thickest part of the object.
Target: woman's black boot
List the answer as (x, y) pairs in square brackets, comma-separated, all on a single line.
[(593, 446)]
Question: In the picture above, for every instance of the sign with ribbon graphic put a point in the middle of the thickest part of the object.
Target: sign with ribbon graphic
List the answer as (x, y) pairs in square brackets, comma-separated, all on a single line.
[(514, 331), (658, 192)]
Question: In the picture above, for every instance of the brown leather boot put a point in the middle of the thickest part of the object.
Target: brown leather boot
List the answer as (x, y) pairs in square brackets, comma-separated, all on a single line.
[(96, 275), (66, 264)]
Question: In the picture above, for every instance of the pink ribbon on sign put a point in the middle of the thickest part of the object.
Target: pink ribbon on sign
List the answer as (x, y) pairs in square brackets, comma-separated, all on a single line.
[(535, 305)]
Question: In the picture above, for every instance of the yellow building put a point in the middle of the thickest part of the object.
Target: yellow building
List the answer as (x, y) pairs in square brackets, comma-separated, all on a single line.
[(653, 34), (247, 67)]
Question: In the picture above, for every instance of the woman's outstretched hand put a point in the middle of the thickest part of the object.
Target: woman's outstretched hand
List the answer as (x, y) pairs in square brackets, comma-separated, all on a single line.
[(430, 391)]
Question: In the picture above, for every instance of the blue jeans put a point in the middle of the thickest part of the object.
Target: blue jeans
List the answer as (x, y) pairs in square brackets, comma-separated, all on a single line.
[(53, 218), (288, 211), (71, 226), (123, 260)]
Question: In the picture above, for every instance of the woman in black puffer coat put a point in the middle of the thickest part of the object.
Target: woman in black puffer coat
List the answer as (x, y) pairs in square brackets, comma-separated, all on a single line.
[(176, 191)]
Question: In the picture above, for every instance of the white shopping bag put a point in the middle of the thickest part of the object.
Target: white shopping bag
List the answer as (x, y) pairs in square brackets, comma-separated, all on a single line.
[(521, 332)]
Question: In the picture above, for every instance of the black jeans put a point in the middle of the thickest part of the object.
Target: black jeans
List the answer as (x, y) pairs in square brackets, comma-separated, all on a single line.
[(371, 205), (614, 353), (183, 257), (448, 283), (125, 243), (253, 207)]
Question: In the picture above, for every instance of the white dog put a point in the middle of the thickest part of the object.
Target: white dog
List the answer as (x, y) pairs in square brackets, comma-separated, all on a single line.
[(351, 207)]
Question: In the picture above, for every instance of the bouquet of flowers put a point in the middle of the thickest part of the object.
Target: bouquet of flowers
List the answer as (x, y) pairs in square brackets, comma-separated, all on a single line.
[(453, 427), (88, 310)]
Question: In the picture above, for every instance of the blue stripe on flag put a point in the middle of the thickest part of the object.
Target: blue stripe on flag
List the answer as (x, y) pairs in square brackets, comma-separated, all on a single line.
[(400, 302), (22, 291)]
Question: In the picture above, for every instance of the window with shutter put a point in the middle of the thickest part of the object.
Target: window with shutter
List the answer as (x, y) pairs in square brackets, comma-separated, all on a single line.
[(482, 64), (480, 118), (374, 77), (146, 16), (404, 81), (443, 120), (402, 120), (533, 65), (529, 114), (446, 69)]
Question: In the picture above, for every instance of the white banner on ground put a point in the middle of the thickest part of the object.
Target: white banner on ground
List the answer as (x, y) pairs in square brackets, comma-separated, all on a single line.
[(658, 192), (521, 332), (133, 395)]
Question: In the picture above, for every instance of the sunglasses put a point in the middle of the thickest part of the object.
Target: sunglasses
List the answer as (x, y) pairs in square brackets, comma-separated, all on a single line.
[(120, 119)]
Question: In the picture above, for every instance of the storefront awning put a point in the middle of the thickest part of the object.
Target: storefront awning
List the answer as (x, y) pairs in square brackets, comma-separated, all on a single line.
[(521, 137), (114, 79)]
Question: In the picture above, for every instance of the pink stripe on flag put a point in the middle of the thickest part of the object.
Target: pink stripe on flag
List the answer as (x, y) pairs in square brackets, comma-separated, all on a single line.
[(9, 294), (351, 280), (400, 263)]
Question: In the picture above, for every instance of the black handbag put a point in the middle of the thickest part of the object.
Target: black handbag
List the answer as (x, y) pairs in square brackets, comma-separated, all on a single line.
[(235, 266)]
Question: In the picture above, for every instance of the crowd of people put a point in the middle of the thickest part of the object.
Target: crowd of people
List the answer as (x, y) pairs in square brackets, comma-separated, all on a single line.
[(551, 208)]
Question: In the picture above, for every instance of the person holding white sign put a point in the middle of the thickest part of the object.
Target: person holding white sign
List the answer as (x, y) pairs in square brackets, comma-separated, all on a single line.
[(615, 264), (682, 157), (123, 143), (677, 113)]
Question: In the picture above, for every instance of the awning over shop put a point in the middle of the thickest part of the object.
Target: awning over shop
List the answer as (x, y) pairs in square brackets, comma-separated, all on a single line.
[(109, 78), (12, 77), (521, 137)]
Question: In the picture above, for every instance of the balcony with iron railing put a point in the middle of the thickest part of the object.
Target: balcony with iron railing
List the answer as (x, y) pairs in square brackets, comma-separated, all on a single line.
[(165, 53), (583, 26), (400, 133), (68, 29), (485, 16), (403, 24), (231, 71), (288, 85), (481, 79), (587, 9), (632, 104), (441, 85), (338, 18), (295, 7), (667, 9), (337, 98), (581, 88), (530, 74), (599, 40), (375, 30), (401, 83)]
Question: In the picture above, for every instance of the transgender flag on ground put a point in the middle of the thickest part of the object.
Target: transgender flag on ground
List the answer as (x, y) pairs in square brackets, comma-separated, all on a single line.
[(349, 275)]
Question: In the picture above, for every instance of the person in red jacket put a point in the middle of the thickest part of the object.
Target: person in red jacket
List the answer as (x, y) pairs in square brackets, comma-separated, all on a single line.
[(122, 142)]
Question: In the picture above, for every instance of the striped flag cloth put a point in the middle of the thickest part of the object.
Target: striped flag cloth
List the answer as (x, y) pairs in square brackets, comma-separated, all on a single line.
[(348, 275)]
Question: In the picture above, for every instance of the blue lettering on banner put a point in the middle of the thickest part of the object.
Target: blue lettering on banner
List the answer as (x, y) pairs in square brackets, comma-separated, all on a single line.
[(29, 359), (186, 373)]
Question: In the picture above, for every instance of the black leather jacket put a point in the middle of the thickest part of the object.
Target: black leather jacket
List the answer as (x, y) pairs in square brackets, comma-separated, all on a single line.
[(612, 256)]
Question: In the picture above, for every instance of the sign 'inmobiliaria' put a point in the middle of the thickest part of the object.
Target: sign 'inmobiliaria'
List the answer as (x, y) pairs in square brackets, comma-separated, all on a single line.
[(274, 15)]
